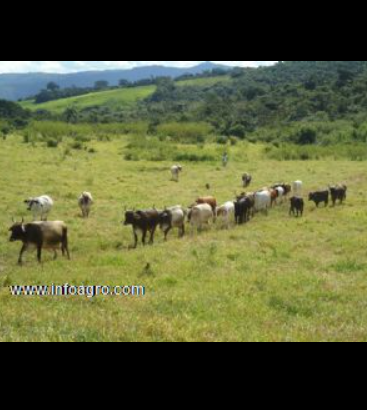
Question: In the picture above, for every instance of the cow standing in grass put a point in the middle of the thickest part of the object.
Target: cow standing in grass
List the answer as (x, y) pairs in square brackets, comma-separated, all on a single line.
[(85, 203), (338, 193), (226, 212), (175, 172), (171, 218), (40, 207), (319, 197), (263, 201), (246, 180), (144, 222), (297, 206), (200, 215), (41, 235)]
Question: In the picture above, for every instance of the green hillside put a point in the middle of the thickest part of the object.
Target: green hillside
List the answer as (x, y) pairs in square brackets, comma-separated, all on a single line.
[(125, 97), (117, 98)]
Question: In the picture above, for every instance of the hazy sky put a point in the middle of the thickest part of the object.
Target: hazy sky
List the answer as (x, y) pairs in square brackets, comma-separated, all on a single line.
[(72, 66)]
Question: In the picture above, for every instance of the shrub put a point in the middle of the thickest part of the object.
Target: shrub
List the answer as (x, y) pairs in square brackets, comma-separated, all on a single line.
[(52, 143)]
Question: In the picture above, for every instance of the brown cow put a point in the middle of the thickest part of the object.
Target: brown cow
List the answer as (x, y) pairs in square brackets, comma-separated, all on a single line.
[(41, 235), (210, 200)]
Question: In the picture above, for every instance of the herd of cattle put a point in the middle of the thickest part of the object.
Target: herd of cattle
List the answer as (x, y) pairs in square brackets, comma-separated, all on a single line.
[(54, 235)]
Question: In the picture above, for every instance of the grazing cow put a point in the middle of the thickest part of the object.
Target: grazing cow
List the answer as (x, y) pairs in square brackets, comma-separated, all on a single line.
[(298, 189), (297, 206), (262, 201), (85, 203), (42, 235), (319, 197), (171, 218), (40, 207), (208, 200), (176, 171), (287, 188), (143, 221), (226, 212), (200, 215), (246, 180), (338, 193), (280, 194), (243, 207)]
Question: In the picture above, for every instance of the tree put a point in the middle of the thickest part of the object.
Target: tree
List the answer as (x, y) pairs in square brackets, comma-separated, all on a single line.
[(52, 86), (124, 83), (306, 136), (101, 85)]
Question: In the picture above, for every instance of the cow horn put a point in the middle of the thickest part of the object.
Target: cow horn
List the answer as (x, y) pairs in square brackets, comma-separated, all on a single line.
[(22, 220)]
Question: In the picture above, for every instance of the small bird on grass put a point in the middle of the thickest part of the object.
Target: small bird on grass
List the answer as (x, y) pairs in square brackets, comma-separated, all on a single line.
[(147, 271)]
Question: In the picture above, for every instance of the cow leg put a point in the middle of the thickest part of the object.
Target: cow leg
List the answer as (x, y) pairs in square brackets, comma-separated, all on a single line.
[(144, 237), (24, 249), (182, 233), (65, 244), (166, 232), (152, 232), (135, 234), (39, 253)]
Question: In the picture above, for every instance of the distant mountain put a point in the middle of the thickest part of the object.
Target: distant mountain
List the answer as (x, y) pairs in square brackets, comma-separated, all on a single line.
[(16, 86)]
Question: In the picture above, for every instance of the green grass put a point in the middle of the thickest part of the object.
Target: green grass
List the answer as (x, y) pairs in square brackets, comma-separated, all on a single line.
[(204, 82), (126, 97), (275, 279)]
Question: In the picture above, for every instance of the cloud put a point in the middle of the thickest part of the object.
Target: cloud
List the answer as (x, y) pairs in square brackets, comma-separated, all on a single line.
[(75, 66)]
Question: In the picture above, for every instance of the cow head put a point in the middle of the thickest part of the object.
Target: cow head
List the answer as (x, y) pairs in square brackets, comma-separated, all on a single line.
[(311, 196), (130, 218), (30, 202), (18, 232)]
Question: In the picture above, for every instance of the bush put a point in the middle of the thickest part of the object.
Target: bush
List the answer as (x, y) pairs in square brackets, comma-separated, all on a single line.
[(52, 143), (77, 145), (222, 140), (186, 133), (238, 130), (292, 152)]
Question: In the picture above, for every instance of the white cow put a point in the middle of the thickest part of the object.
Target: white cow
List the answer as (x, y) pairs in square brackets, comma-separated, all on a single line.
[(262, 201), (175, 171), (85, 203), (226, 213), (177, 220), (200, 215), (281, 194), (298, 189), (40, 207)]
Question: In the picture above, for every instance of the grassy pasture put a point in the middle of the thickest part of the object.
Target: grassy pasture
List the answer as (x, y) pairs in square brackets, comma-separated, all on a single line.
[(275, 279)]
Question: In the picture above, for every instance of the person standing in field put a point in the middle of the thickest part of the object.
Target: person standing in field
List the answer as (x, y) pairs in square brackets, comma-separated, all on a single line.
[(225, 159)]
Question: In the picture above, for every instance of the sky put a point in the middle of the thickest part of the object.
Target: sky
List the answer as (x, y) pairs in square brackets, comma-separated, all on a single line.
[(75, 66)]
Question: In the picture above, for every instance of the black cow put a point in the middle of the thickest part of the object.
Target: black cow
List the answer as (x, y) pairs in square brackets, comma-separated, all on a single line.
[(319, 197), (42, 235), (243, 207), (144, 221), (246, 179), (297, 206), (338, 193)]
